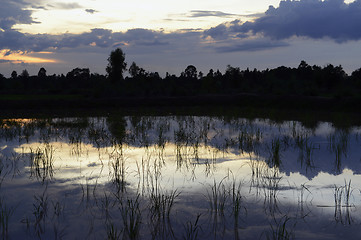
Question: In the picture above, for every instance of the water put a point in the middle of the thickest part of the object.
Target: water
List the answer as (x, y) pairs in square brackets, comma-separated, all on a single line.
[(178, 177)]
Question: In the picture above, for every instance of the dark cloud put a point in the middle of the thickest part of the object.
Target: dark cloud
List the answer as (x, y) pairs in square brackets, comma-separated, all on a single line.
[(16, 41), (218, 32), (12, 12), (91, 11), (200, 13), (251, 46), (103, 38), (226, 30), (314, 19)]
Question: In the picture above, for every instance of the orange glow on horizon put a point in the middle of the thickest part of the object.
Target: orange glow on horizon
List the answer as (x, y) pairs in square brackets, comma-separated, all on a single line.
[(24, 57)]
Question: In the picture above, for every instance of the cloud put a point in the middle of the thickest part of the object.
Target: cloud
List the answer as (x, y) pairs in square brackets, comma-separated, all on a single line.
[(13, 40), (91, 11), (250, 45), (65, 6), (200, 13), (12, 12), (4, 61), (313, 19), (16, 41), (226, 30)]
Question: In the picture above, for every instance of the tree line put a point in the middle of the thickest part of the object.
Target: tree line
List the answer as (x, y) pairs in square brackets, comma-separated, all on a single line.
[(305, 80)]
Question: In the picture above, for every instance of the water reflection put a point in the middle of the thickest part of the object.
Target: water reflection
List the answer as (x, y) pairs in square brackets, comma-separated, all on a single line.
[(177, 177)]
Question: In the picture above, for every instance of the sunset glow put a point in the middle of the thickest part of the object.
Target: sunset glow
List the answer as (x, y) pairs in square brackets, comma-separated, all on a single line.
[(24, 57)]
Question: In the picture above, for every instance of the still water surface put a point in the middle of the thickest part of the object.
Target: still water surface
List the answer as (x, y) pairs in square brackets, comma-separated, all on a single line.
[(178, 177)]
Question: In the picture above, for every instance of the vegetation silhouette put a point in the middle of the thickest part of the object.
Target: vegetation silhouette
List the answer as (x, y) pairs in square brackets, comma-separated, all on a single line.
[(270, 87), (116, 65)]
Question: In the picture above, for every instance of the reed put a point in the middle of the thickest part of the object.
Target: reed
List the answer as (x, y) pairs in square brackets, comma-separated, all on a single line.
[(132, 217), (217, 197), (40, 212), (280, 231), (119, 170), (42, 162), (113, 233), (191, 229), (5, 215)]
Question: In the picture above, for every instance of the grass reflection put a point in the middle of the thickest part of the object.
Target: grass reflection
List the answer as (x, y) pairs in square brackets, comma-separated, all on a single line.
[(178, 177)]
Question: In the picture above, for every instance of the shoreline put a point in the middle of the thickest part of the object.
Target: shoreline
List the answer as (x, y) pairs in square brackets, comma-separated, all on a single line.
[(291, 102), (341, 112)]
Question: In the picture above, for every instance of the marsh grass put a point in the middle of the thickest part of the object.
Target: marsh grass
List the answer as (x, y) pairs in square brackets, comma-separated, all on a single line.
[(113, 233), (40, 212), (270, 186), (149, 211), (258, 168), (117, 160), (132, 217), (160, 206), (191, 229), (274, 159), (342, 195), (306, 149), (302, 202), (338, 144), (88, 191), (280, 230), (14, 160), (5, 215), (217, 197), (248, 139), (237, 200), (42, 162)]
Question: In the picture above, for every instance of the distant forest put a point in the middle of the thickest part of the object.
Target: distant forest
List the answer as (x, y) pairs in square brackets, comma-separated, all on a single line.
[(305, 80)]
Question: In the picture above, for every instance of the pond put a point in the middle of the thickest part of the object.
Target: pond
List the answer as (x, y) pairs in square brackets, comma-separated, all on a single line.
[(178, 177)]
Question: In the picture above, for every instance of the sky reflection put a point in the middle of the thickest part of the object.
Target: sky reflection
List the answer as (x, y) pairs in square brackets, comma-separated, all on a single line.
[(88, 170)]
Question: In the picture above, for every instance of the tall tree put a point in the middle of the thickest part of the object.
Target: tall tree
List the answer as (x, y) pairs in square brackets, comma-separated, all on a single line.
[(136, 71), (24, 73), (42, 72), (116, 65), (14, 74), (190, 72)]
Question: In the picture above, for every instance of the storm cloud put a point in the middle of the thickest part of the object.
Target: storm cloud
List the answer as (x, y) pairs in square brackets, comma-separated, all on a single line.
[(12, 12), (315, 19), (102, 38)]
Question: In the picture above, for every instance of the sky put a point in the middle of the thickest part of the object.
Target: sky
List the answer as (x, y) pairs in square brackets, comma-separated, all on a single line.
[(167, 36)]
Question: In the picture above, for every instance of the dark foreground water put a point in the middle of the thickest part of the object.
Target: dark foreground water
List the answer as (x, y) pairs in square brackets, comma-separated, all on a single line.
[(178, 177)]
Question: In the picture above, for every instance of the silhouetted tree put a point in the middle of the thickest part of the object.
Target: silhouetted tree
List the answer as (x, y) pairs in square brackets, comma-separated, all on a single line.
[(136, 71), (42, 73), (116, 65), (2, 79), (210, 73), (190, 72), (14, 74), (24, 74), (82, 73), (356, 78)]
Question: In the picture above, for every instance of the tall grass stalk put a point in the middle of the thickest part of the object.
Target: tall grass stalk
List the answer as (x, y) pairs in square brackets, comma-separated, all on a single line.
[(42, 162), (132, 217), (280, 231), (5, 214), (191, 229), (217, 197)]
